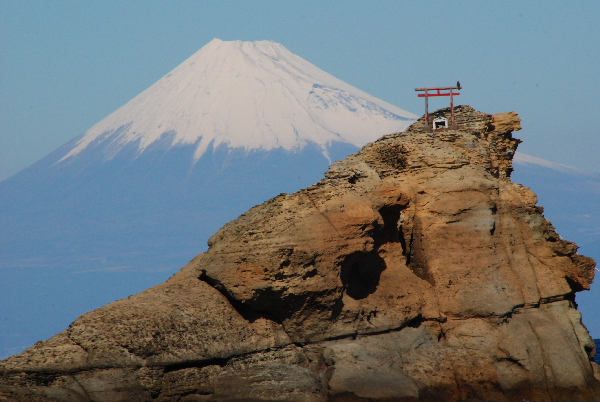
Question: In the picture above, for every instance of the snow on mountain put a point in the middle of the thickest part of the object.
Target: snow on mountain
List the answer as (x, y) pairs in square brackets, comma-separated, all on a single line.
[(250, 95)]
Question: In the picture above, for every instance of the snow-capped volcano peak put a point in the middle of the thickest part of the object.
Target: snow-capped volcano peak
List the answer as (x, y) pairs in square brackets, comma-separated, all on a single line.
[(252, 95)]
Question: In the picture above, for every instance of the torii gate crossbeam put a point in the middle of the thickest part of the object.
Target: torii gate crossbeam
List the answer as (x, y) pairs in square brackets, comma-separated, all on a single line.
[(426, 95)]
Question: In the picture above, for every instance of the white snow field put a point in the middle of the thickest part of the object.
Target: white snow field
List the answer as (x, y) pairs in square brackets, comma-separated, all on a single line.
[(251, 95)]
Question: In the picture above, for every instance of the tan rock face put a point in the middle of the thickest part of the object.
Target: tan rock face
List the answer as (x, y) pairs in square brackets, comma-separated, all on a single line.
[(415, 270)]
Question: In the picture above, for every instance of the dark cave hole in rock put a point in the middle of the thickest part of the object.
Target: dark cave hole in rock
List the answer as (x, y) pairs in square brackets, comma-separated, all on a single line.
[(360, 273), (391, 223)]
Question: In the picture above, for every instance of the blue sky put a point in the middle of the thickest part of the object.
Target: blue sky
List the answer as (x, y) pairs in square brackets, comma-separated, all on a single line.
[(65, 65)]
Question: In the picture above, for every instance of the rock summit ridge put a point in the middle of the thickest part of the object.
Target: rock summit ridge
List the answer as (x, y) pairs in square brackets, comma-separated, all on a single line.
[(415, 270)]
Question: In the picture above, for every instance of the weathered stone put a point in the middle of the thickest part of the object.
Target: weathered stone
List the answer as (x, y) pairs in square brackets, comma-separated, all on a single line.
[(415, 270)]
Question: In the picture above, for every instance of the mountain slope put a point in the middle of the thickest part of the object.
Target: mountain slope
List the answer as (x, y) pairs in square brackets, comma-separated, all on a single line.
[(251, 95), (123, 206)]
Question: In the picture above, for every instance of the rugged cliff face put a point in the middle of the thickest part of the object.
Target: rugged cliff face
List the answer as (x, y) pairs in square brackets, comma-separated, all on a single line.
[(415, 270)]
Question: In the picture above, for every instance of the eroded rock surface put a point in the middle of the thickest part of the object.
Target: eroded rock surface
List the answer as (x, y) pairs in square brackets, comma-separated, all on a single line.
[(415, 270)]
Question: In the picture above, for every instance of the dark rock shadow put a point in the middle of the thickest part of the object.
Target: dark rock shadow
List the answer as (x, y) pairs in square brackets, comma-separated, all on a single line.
[(360, 273)]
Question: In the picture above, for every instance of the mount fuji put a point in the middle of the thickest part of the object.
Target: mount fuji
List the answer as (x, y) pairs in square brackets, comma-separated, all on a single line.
[(250, 95), (126, 204)]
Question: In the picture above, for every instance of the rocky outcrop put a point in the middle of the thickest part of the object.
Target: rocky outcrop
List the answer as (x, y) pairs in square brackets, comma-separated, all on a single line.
[(415, 270)]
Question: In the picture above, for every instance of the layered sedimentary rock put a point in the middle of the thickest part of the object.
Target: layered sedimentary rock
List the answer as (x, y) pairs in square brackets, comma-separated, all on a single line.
[(415, 270)]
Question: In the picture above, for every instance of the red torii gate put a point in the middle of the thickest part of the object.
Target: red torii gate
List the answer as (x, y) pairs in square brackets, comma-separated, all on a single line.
[(426, 95)]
